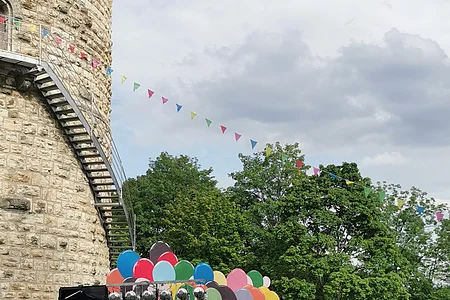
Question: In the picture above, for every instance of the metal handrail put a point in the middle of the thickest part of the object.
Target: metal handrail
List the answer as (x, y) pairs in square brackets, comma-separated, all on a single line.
[(114, 167)]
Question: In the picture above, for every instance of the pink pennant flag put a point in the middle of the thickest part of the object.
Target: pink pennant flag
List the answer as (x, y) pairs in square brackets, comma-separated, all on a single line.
[(95, 63), (439, 216), (164, 100), (299, 164), (72, 48), (223, 128), (237, 136), (2, 20), (150, 93), (58, 41), (316, 171), (83, 55)]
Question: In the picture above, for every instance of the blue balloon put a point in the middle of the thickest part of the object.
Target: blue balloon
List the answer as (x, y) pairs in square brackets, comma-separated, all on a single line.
[(203, 271), (163, 271), (243, 294), (126, 261)]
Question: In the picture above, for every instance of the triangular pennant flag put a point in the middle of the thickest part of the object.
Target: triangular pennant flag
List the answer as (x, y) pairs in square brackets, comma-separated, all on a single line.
[(2, 20), (150, 93), (17, 23), (400, 203), (333, 176), (439, 216), (420, 210), (268, 151), (283, 157), (223, 128), (367, 191), (164, 100), (108, 71), (208, 122), (44, 32), (135, 86), (83, 55), (33, 28), (381, 196), (72, 48), (178, 107), (299, 164), (253, 143), (316, 171), (95, 63), (58, 41), (193, 115), (348, 182), (237, 136), (123, 79)]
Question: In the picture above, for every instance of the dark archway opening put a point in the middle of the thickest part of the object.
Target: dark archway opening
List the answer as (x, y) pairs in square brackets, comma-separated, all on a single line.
[(5, 19)]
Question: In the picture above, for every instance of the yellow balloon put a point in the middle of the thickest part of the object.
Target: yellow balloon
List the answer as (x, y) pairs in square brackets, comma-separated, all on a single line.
[(265, 291), (220, 278), (272, 296)]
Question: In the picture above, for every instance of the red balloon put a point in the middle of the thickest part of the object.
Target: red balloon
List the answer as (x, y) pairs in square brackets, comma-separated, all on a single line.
[(143, 268), (169, 257)]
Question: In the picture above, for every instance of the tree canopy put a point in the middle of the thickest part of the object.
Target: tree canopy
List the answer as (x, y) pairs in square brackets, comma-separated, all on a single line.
[(317, 237)]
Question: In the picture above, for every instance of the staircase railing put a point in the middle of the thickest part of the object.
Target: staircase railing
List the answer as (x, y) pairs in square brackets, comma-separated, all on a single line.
[(55, 57)]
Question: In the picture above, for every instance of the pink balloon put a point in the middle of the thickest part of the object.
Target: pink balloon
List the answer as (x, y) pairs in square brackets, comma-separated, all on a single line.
[(143, 268), (236, 279), (169, 257)]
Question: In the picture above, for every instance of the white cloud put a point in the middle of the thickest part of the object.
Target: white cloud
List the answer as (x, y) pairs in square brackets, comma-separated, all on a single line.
[(392, 158)]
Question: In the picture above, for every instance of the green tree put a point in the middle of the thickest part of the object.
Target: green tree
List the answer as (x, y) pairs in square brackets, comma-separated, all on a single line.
[(166, 178), (317, 231)]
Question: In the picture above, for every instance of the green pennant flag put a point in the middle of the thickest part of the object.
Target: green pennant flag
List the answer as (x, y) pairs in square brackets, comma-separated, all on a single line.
[(381, 196), (208, 122), (136, 86), (367, 191), (17, 23), (283, 157)]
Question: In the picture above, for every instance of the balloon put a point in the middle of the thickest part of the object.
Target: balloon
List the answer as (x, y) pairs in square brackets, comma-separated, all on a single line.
[(265, 291), (220, 278), (243, 294), (163, 271), (157, 249), (266, 281), (256, 293), (128, 287), (126, 261), (141, 287), (170, 257), (226, 293), (183, 270), (203, 271), (212, 284), (114, 277), (236, 279), (249, 281), (213, 294), (256, 277), (273, 296), (143, 268)]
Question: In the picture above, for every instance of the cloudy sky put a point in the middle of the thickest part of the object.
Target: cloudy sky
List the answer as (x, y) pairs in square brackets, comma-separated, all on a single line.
[(350, 80)]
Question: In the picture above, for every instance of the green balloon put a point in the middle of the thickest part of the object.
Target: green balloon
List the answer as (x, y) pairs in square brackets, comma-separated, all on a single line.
[(256, 278), (190, 290), (213, 294), (183, 270)]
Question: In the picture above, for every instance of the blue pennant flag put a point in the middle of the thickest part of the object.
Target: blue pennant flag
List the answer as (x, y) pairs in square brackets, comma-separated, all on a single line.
[(253, 143), (44, 32), (420, 209), (108, 71), (333, 176), (179, 107)]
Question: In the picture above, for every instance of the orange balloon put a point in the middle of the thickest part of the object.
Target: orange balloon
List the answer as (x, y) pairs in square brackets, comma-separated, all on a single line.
[(256, 293), (113, 278)]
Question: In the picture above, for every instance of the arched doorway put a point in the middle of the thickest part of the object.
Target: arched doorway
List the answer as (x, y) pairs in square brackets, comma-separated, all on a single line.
[(5, 19)]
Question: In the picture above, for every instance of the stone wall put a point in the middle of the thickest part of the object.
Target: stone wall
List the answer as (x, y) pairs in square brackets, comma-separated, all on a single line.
[(50, 233)]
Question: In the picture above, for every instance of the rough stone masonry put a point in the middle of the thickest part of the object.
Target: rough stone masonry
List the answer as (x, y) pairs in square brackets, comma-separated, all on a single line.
[(50, 233)]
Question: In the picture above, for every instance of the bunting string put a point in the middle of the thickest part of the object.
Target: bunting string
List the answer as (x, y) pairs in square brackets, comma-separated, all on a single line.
[(97, 64)]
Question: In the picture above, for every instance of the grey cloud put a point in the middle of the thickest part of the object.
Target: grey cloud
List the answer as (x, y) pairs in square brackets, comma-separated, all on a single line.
[(396, 93)]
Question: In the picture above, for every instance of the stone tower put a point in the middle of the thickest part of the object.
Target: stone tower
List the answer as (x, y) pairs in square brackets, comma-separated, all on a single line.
[(63, 217)]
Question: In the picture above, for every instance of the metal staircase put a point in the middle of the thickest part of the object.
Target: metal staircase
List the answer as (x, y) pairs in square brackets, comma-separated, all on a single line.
[(105, 178)]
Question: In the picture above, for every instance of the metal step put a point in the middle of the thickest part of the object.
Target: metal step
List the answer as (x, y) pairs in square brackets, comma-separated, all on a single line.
[(101, 183), (91, 176), (111, 190), (92, 162), (48, 88), (91, 169), (64, 111), (81, 140), (58, 103), (67, 119), (42, 80), (84, 147), (72, 126), (36, 71), (107, 204)]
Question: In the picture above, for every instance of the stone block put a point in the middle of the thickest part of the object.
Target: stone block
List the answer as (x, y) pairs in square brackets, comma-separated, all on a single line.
[(15, 202)]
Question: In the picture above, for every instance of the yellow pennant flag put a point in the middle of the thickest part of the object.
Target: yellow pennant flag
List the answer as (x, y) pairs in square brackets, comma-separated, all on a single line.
[(33, 28), (348, 182), (268, 151), (123, 79), (400, 203), (193, 115)]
